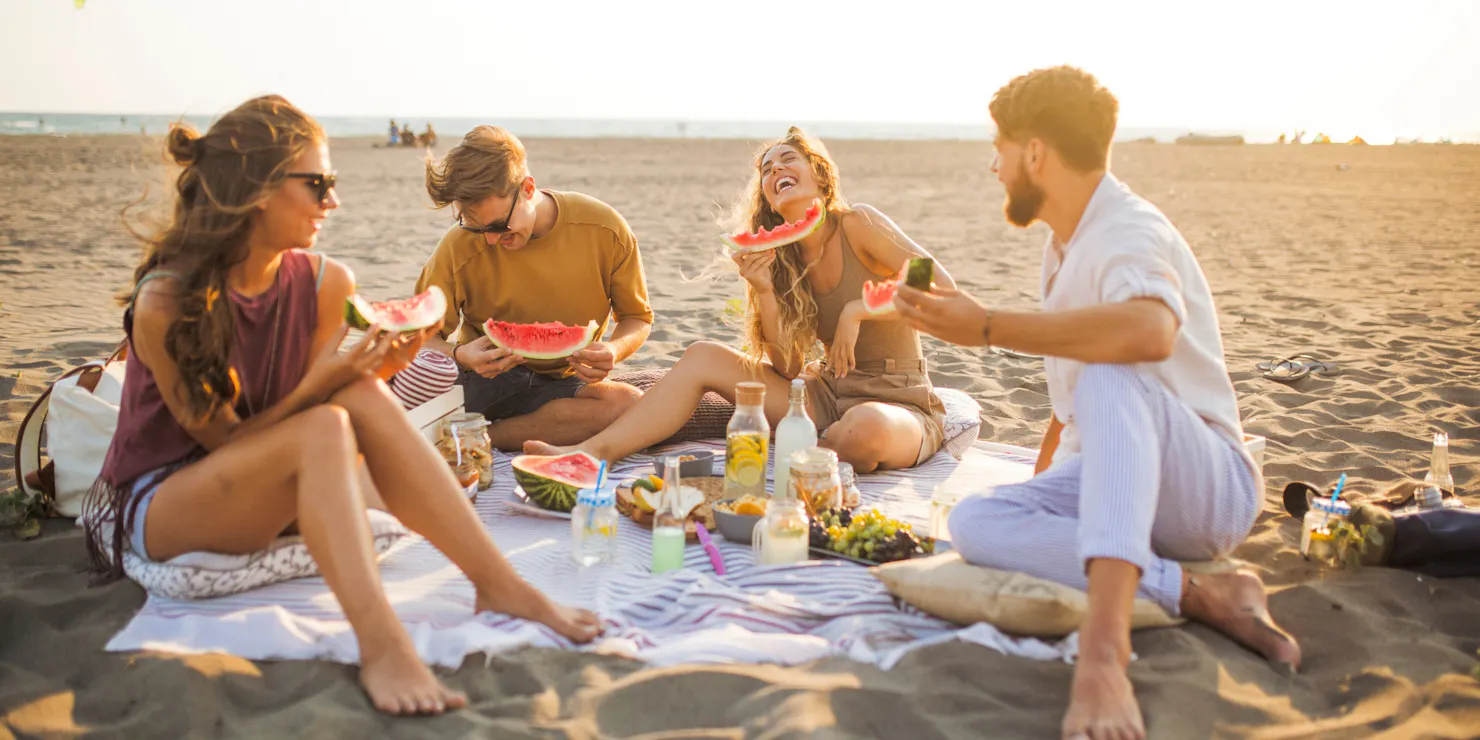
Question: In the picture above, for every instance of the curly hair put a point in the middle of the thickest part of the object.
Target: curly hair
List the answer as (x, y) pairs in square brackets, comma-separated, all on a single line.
[(1064, 106)]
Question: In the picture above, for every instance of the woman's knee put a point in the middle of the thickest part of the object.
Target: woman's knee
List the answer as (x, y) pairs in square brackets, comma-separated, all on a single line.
[(326, 429), (705, 351), (864, 438)]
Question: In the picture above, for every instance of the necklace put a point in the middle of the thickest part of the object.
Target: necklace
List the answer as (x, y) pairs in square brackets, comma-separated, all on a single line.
[(277, 316)]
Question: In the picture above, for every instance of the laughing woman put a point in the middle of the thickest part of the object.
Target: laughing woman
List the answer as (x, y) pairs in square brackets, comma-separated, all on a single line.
[(871, 392), (240, 418)]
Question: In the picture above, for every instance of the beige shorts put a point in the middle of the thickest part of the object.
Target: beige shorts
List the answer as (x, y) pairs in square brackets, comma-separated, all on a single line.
[(902, 383)]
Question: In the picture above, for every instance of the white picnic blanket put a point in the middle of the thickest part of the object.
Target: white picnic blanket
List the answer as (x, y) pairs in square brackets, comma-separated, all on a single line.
[(779, 614)]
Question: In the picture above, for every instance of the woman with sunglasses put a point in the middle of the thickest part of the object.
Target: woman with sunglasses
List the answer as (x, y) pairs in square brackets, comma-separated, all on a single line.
[(871, 395), (240, 417)]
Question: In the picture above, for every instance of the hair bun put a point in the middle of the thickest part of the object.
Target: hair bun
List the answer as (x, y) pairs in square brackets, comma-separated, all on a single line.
[(183, 144)]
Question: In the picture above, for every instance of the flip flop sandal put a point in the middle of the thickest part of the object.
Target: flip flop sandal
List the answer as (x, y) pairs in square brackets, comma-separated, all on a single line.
[(1297, 498), (1271, 365), (1285, 371)]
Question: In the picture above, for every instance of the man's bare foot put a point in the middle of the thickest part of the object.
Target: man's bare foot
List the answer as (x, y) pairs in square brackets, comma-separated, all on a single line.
[(1102, 704), (536, 447), (399, 683), (577, 625), (1236, 605)]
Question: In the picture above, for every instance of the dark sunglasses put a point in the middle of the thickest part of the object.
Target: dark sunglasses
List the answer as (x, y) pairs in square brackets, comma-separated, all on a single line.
[(497, 227), (322, 182)]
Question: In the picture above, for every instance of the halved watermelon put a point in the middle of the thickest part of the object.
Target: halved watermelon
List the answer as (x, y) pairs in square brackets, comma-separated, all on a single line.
[(781, 235), (878, 298), (411, 314), (554, 481), (549, 341)]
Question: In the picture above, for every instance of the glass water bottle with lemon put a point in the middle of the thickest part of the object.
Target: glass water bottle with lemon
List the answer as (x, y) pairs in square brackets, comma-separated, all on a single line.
[(747, 441)]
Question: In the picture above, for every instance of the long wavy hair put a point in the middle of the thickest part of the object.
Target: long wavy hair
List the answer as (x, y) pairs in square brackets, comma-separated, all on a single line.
[(798, 308), (224, 176)]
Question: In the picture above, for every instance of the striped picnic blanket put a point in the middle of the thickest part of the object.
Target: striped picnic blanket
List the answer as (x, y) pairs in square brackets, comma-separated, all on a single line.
[(779, 614)]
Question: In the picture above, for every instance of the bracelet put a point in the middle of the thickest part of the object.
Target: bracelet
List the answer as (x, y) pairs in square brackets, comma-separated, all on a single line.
[(987, 328), (456, 361)]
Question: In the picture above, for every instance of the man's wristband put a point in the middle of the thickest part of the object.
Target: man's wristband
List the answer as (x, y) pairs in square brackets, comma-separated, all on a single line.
[(456, 361), (987, 328)]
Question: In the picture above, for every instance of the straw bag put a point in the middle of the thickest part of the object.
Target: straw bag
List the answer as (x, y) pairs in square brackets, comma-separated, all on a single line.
[(74, 420)]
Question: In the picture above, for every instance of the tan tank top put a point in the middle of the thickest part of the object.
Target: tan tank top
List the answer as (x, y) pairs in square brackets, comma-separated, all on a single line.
[(877, 340)]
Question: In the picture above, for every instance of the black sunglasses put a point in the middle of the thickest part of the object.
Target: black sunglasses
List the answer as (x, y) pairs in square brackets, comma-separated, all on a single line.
[(498, 227), (323, 182)]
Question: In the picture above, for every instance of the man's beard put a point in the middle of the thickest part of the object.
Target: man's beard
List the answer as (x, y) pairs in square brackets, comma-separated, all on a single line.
[(1024, 200)]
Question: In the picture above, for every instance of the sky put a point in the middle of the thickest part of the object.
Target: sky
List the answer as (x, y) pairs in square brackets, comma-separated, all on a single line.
[(1379, 69)]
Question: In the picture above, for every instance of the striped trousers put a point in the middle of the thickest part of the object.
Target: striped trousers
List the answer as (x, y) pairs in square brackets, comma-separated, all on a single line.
[(1152, 484)]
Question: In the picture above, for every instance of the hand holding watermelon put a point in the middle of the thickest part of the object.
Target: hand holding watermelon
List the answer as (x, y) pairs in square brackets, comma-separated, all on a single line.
[(595, 362), (949, 315), (755, 267), (332, 370), (482, 357)]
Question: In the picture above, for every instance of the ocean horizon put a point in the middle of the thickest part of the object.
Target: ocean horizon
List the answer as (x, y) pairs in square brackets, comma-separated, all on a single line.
[(452, 128)]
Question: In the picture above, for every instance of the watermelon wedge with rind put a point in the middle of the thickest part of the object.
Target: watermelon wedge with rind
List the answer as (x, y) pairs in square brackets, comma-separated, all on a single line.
[(780, 236), (554, 481), (547, 341), (878, 298), (412, 314)]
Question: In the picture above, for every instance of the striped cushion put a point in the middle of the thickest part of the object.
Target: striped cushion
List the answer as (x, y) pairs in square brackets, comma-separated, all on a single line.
[(429, 375)]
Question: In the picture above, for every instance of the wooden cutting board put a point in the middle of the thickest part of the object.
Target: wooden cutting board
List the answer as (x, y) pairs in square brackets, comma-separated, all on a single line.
[(713, 488)]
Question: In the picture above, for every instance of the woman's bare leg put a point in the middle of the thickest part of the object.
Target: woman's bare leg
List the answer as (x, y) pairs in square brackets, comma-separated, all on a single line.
[(873, 436), (238, 498), (419, 488), (663, 410)]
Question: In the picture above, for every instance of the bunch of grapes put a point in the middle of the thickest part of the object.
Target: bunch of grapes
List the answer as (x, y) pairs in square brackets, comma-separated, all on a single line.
[(825, 521), (870, 536)]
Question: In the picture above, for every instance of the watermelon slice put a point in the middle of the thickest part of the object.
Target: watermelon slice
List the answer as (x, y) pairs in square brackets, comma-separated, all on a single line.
[(878, 298), (412, 314), (780, 236), (548, 341), (554, 481)]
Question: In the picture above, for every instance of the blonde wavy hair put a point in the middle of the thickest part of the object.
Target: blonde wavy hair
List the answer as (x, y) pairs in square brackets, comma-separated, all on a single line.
[(798, 308)]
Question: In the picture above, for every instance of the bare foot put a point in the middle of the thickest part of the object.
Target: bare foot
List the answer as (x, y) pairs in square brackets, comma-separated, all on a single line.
[(577, 625), (536, 447), (399, 683), (1102, 705), (1236, 605)]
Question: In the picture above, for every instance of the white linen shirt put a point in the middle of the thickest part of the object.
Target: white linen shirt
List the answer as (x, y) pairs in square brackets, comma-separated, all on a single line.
[(1125, 248)]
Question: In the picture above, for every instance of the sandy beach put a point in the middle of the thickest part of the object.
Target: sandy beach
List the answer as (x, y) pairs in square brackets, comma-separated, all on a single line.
[(1362, 255)]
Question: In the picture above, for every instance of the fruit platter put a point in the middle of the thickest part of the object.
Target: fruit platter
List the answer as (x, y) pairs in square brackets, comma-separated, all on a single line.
[(862, 536), (638, 498), (865, 537)]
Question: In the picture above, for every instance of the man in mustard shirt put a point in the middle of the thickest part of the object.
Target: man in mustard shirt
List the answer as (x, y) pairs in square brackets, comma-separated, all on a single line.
[(525, 255)]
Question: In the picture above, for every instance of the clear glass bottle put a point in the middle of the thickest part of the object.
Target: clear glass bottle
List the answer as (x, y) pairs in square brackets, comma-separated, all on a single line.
[(781, 537), (668, 530), (852, 497), (814, 480), (593, 527), (794, 433), (747, 442), (1438, 479)]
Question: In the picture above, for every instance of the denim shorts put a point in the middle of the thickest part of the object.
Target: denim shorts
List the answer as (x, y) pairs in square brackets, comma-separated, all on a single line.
[(149, 481), (517, 392)]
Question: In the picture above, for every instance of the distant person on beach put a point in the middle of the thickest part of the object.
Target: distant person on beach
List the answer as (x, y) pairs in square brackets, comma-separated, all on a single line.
[(241, 419), (408, 137), (1143, 463), (395, 137), (524, 255), (869, 388), (429, 139)]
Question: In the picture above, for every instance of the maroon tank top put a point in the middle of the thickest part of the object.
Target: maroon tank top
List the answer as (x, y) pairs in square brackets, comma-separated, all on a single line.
[(270, 352)]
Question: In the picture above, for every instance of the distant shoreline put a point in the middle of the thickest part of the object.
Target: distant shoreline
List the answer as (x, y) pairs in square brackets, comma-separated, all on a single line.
[(26, 123)]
